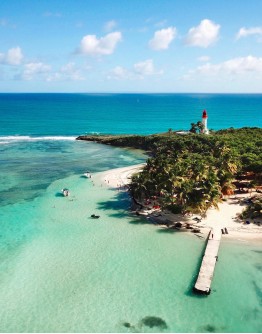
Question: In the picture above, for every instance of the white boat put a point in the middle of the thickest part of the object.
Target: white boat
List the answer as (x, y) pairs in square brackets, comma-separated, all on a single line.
[(87, 175), (65, 192)]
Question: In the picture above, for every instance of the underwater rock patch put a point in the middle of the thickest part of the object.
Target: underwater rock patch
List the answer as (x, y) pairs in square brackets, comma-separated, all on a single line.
[(152, 322), (210, 328), (127, 324)]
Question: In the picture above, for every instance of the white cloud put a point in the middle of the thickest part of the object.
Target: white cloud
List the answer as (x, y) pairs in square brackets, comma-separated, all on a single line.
[(244, 32), (145, 68), (91, 45), (110, 25), (162, 38), (35, 69), (204, 35), (243, 64), (68, 72), (139, 71), (13, 56), (161, 23), (119, 73), (235, 66), (203, 59)]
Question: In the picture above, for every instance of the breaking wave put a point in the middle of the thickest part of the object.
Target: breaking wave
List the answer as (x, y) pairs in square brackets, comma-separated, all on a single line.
[(12, 139)]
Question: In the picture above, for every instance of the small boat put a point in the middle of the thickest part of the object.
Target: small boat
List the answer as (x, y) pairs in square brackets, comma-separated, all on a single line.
[(95, 216), (65, 192), (87, 175)]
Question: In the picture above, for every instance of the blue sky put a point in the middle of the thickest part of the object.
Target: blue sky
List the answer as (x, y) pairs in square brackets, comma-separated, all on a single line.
[(131, 46)]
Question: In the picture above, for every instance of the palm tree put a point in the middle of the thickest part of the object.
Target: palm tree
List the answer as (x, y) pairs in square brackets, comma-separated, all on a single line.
[(227, 166), (200, 126), (197, 127), (189, 180), (193, 128)]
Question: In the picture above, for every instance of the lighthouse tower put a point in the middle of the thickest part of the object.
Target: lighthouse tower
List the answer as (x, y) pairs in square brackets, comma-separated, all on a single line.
[(204, 122)]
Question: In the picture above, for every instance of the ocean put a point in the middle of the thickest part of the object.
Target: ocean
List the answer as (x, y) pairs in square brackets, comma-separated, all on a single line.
[(74, 114), (61, 271)]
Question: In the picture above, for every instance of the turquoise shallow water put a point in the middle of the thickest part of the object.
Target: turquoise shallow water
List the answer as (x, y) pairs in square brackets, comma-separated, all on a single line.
[(69, 273), (60, 271)]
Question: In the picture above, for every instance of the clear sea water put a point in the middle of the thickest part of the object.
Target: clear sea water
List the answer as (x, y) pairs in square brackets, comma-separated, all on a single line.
[(61, 271)]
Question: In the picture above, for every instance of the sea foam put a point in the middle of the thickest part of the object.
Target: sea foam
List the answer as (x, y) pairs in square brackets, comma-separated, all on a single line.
[(12, 139)]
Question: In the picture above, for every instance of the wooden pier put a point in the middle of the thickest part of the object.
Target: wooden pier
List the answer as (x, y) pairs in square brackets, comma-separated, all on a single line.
[(204, 280)]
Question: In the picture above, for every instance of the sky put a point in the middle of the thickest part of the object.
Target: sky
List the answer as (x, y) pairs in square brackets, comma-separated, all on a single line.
[(151, 46)]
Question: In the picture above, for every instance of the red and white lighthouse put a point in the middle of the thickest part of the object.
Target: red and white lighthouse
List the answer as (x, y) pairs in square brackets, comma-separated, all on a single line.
[(204, 122)]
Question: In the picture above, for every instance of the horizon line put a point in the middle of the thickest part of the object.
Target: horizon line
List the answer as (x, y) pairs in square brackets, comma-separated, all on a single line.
[(140, 92)]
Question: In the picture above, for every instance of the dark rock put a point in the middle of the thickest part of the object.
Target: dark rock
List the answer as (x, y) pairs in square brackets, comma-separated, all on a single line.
[(154, 322), (127, 324)]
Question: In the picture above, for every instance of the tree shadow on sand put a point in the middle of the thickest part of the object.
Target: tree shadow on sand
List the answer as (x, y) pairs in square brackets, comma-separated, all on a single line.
[(140, 221), (120, 204)]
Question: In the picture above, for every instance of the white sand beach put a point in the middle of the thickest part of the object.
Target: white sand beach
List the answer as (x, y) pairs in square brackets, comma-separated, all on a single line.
[(120, 177), (225, 217)]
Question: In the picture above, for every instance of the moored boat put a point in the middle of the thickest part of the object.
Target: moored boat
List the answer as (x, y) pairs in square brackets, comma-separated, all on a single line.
[(95, 216), (87, 175), (65, 192)]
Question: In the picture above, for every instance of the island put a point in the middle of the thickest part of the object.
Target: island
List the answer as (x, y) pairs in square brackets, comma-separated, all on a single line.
[(190, 174)]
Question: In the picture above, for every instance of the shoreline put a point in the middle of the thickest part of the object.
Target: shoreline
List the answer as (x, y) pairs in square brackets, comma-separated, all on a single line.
[(119, 177), (225, 217)]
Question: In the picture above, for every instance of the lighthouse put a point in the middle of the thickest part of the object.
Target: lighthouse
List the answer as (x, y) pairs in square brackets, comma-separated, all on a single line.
[(204, 122)]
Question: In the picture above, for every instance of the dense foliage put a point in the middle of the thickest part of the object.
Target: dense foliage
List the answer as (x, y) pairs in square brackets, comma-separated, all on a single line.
[(254, 209), (247, 143), (187, 174), (190, 172)]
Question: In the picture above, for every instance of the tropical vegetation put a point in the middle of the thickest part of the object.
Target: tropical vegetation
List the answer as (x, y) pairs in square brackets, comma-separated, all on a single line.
[(188, 174), (191, 172), (254, 209)]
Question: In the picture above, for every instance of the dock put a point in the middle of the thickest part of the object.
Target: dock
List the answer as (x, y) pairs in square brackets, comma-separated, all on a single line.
[(204, 280)]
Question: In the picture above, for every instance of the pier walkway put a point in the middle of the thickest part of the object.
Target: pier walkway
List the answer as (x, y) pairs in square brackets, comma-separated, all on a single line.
[(204, 280)]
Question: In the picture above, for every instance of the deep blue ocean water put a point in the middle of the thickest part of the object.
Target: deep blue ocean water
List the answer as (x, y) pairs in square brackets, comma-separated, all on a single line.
[(61, 272), (74, 114)]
